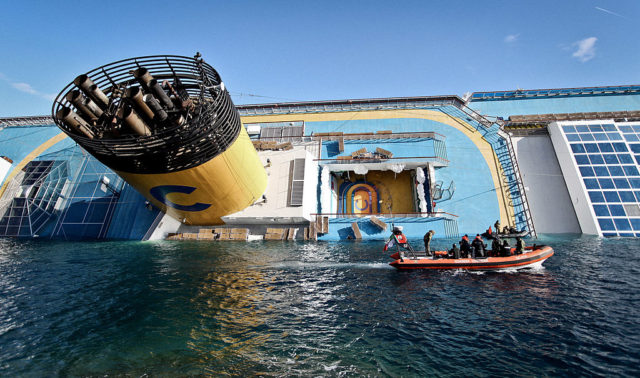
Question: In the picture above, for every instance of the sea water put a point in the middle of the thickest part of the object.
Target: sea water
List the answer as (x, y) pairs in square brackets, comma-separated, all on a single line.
[(312, 309)]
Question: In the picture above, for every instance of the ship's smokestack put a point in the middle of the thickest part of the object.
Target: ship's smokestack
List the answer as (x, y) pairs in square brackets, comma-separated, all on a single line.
[(90, 89), (73, 120)]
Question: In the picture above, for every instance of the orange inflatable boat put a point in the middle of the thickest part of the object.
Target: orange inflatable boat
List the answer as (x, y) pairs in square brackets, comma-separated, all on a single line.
[(533, 257)]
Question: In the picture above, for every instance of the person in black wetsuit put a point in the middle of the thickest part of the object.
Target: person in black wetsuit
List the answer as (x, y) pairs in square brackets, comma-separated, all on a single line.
[(496, 247), (465, 247), (454, 252), (506, 248), (520, 246), (478, 246)]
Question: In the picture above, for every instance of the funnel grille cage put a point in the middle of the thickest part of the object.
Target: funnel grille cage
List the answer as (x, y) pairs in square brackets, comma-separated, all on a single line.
[(200, 120)]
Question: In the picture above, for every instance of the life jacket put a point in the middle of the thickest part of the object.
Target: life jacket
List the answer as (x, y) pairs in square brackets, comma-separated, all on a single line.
[(401, 239)]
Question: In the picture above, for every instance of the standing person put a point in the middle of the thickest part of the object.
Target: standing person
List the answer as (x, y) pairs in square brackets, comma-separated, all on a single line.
[(478, 246), (496, 246), (427, 242), (398, 239), (520, 246), (465, 247), (496, 226)]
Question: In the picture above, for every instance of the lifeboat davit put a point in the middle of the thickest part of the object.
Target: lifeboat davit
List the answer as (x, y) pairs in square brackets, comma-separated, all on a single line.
[(533, 257)]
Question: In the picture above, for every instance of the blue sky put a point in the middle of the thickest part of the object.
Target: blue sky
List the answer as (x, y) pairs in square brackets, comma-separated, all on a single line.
[(275, 51)]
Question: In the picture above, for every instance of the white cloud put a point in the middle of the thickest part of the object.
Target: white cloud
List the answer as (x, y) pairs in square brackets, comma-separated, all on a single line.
[(27, 88), (24, 87), (586, 49), (511, 38)]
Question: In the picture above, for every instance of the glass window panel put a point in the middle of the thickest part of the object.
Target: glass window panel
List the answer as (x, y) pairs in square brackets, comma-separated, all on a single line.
[(587, 172), (635, 147), (591, 183), (638, 159), (596, 159), (627, 196), (591, 147), (601, 210), (577, 148), (636, 128), (569, 129), (630, 170), (606, 224), (622, 224), (609, 127), (617, 210), (637, 193), (605, 147), (600, 136), (620, 147), (582, 128), (625, 129), (573, 137), (595, 128), (606, 183), (635, 223), (596, 196), (610, 158), (616, 170), (614, 136), (621, 183), (635, 183), (601, 170), (583, 159), (631, 138), (625, 159), (611, 196), (587, 137)]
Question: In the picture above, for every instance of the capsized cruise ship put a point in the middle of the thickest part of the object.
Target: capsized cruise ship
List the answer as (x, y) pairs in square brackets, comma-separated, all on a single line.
[(153, 148)]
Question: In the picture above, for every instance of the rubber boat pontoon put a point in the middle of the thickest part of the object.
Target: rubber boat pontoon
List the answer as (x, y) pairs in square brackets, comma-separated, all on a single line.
[(531, 258)]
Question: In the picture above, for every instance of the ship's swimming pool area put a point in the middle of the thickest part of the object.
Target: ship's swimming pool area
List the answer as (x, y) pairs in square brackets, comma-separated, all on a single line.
[(326, 308)]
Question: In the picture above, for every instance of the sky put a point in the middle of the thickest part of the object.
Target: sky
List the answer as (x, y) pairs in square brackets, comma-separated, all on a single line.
[(280, 51)]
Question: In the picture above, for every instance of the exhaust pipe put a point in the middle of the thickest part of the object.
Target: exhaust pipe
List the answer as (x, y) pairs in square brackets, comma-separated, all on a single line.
[(74, 121), (157, 90), (92, 91), (135, 94), (79, 100), (133, 120), (160, 114), (143, 76)]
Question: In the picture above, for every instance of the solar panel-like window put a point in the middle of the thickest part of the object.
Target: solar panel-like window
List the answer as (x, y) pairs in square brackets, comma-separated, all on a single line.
[(600, 136), (614, 136), (582, 159), (635, 147), (631, 137), (617, 210), (582, 128), (635, 184), (610, 159), (625, 159), (601, 210), (596, 196), (605, 147), (616, 170), (577, 148), (569, 129), (611, 196), (635, 223), (573, 137), (621, 183), (587, 137), (591, 183), (606, 183), (609, 127), (586, 171), (627, 196), (591, 147), (620, 147), (630, 170), (625, 129), (622, 224), (606, 224), (595, 128), (601, 170), (596, 159)]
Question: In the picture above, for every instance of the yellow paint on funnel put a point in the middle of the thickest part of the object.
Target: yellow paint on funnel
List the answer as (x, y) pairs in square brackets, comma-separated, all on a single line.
[(201, 195)]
